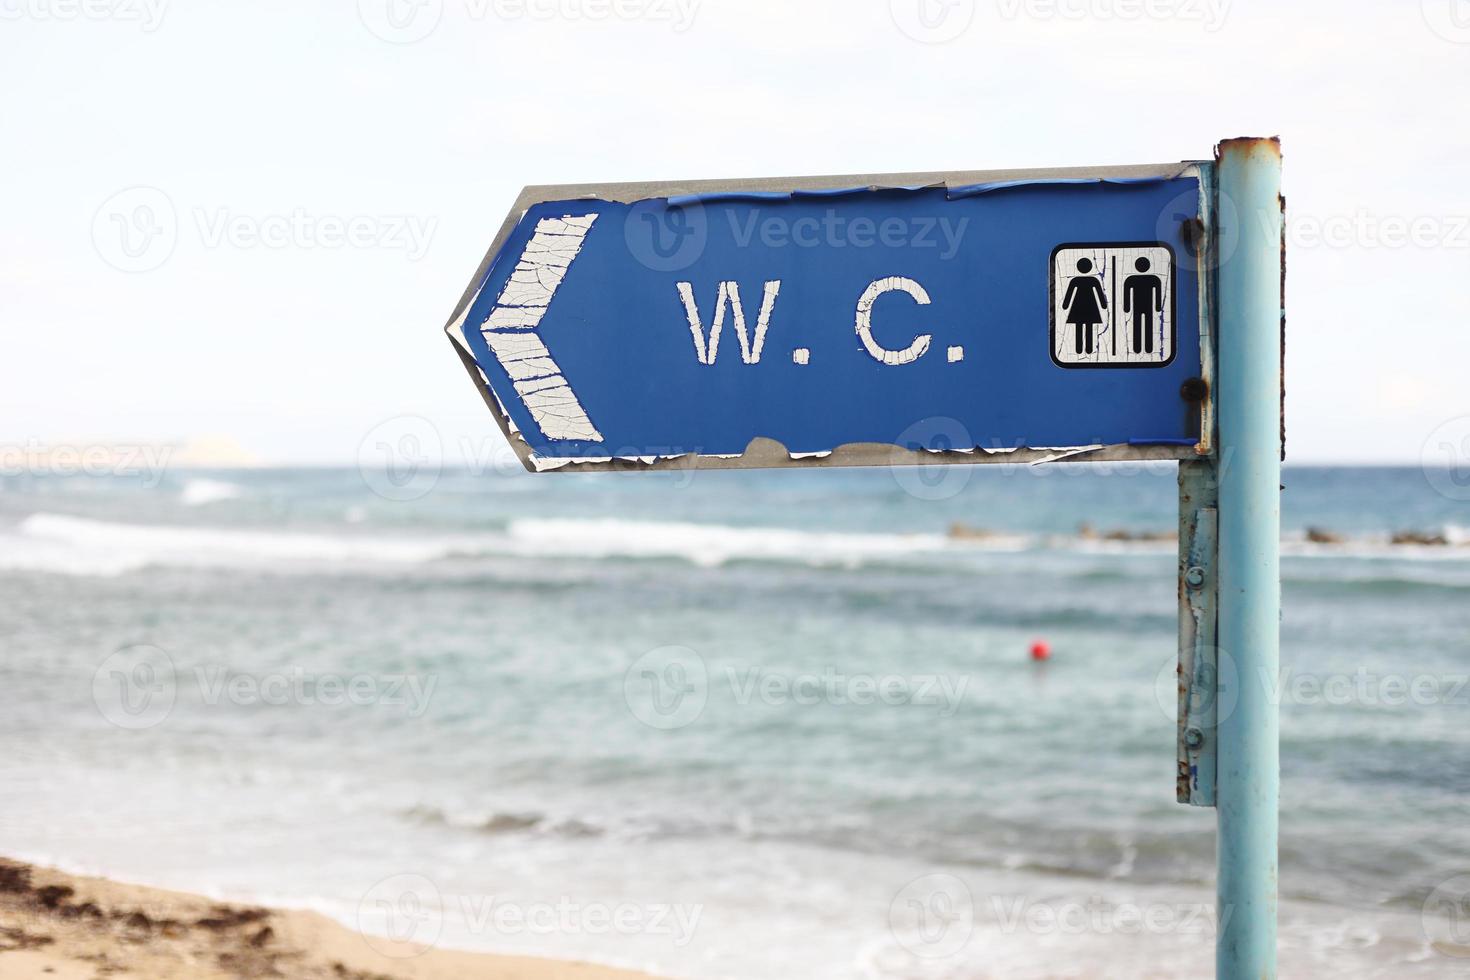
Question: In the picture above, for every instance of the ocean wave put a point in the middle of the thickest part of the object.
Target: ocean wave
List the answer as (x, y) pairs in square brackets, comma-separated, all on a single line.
[(201, 491), (65, 544), (1404, 583), (713, 544), (496, 822), (70, 545)]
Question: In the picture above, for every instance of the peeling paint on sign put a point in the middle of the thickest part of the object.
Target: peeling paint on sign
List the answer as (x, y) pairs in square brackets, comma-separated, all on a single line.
[(509, 330), (917, 347), (598, 348)]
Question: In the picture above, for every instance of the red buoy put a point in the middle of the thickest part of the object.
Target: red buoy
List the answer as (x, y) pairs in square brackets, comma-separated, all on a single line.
[(1040, 650)]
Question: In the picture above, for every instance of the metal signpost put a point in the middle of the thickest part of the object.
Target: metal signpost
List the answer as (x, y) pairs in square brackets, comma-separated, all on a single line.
[(1124, 313)]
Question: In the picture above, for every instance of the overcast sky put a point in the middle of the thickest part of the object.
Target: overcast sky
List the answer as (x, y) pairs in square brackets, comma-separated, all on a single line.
[(245, 131)]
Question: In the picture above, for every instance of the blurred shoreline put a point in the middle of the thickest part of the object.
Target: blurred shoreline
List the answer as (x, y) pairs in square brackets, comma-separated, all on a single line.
[(313, 690), (59, 926)]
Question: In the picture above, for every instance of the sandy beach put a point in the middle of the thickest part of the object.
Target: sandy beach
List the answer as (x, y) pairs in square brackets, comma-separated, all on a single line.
[(67, 927)]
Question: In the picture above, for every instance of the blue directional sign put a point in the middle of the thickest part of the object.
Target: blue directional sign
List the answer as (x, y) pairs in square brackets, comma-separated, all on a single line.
[(963, 316)]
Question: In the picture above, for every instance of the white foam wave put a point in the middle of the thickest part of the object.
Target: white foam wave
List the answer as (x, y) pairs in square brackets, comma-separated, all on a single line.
[(70, 545), (199, 492), (82, 546), (711, 544)]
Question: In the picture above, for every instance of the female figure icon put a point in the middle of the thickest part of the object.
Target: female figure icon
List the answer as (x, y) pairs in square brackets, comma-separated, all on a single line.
[(1084, 302)]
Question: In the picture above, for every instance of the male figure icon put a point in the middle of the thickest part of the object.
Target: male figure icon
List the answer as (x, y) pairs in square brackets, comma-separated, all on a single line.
[(1143, 298)]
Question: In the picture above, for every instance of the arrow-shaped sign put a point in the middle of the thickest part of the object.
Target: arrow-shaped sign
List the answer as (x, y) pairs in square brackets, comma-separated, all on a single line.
[(968, 317)]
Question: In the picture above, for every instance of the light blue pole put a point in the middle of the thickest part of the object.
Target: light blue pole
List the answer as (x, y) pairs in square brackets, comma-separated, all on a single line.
[(1249, 412)]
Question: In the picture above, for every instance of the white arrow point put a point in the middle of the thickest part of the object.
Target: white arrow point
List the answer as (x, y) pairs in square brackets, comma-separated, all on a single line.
[(511, 329)]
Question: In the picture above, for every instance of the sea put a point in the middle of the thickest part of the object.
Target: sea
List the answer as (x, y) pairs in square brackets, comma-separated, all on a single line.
[(731, 725)]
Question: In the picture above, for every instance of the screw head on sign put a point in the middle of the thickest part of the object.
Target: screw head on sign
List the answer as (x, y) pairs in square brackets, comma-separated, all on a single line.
[(1192, 230)]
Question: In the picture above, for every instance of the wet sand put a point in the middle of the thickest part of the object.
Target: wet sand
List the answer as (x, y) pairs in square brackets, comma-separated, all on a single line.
[(56, 926)]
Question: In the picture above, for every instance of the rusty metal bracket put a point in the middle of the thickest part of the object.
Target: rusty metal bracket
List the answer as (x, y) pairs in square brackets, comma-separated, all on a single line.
[(1198, 655)]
